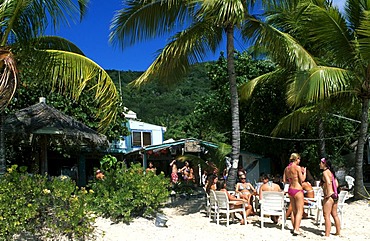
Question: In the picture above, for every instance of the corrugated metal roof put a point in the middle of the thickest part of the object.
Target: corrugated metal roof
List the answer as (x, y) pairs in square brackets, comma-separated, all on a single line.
[(169, 144)]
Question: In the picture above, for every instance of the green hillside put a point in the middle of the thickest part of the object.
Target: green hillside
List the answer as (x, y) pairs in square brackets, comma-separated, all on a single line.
[(154, 102)]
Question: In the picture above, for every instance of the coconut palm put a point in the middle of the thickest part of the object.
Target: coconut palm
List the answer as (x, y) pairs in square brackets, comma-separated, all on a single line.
[(340, 44), (21, 37), (201, 26), (22, 27)]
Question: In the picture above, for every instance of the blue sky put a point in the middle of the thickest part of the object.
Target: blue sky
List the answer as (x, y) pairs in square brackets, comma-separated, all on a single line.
[(91, 36)]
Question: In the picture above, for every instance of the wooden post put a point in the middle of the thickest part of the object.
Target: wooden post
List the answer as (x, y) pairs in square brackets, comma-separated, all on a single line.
[(82, 171), (44, 154)]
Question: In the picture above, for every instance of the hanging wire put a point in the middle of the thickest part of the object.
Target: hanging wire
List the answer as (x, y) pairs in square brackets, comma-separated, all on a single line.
[(295, 139)]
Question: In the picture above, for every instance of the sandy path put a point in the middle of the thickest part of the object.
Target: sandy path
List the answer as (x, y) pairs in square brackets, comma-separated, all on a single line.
[(187, 222)]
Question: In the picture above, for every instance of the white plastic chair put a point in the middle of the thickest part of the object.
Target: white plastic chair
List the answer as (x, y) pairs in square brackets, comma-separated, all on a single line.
[(208, 205), (223, 206), (350, 182), (315, 202), (342, 197), (212, 205), (273, 203)]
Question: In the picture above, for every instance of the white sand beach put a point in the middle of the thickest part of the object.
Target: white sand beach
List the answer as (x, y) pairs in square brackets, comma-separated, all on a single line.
[(187, 221)]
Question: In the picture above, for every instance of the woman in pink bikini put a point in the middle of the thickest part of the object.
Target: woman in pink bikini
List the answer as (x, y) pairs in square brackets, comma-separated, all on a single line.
[(295, 175), (330, 203)]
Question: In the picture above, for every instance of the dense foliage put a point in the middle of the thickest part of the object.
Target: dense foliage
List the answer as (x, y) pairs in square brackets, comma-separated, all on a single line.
[(33, 204), (125, 193), (42, 207), (84, 109), (209, 103)]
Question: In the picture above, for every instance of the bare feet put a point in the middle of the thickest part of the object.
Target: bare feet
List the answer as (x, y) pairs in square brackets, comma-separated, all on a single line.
[(298, 233)]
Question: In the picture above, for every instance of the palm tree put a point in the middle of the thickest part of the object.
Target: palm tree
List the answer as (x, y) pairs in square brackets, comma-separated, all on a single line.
[(202, 24), (340, 44), (56, 59)]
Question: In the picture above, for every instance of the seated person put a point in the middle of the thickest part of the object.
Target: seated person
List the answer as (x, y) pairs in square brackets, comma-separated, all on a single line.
[(308, 190), (211, 183), (244, 189), (248, 208), (266, 187), (241, 172)]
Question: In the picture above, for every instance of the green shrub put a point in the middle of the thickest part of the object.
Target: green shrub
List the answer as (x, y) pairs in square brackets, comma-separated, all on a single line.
[(125, 193), (44, 208)]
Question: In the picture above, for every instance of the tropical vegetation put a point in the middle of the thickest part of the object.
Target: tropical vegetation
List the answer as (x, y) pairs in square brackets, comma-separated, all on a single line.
[(201, 26), (323, 53), (42, 207), (53, 59), (125, 193)]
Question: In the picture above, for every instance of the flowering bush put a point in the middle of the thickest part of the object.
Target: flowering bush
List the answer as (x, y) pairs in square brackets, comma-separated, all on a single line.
[(45, 208), (125, 193)]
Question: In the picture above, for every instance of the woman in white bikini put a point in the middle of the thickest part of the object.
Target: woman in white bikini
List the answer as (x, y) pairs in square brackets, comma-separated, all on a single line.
[(221, 186), (244, 189)]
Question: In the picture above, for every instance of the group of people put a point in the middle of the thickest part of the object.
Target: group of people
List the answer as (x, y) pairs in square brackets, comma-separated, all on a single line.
[(186, 172), (295, 175)]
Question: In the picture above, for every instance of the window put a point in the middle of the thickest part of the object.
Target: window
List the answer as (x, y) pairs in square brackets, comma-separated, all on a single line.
[(141, 138)]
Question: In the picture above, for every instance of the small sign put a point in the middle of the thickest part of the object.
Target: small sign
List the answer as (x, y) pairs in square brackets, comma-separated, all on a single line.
[(192, 146)]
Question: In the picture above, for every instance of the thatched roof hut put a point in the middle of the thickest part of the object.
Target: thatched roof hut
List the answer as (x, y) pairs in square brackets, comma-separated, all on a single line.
[(49, 124), (43, 119)]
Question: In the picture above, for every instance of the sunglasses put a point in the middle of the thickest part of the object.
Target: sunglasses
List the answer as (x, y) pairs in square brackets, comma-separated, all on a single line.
[(242, 178)]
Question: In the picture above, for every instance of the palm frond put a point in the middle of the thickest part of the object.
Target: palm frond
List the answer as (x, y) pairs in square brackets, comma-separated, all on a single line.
[(247, 89), (24, 20), (225, 12), (363, 39), (72, 73), (317, 84), (143, 20), (328, 30), (55, 43), (186, 48), (294, 121), (281, 47), (353, 10), (8, 78)]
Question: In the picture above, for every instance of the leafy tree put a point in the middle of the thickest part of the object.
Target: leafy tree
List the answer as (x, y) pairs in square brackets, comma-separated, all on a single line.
[(159, 104), (84, 109), (202, 25), (339, 43), (53, 58)]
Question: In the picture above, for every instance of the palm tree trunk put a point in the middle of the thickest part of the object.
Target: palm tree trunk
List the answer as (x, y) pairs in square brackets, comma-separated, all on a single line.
[(235, 138), (2, 145), (360, 191), (322, 151)]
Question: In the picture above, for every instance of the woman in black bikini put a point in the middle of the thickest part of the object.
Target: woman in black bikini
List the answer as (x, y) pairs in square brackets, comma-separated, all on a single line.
[(330, 203), (295, 175)]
